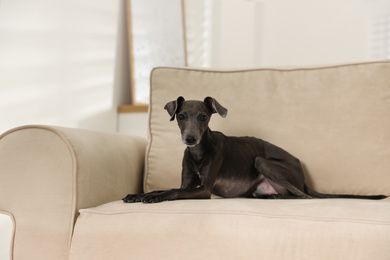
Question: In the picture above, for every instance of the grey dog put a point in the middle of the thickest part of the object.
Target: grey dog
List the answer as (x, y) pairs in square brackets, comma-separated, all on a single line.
[(230, 166)]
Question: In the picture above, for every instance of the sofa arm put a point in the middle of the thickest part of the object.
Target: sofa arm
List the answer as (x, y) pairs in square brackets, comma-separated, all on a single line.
[(48, 173)]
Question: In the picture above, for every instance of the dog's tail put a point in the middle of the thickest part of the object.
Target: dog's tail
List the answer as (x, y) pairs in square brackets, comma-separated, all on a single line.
[(318, 195)]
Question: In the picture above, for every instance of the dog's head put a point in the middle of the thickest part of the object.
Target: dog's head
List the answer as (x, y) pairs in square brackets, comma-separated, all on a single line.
[(193, 117)]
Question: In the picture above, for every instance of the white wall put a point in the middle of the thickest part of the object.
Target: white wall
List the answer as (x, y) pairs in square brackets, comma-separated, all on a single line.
[(134, 124), (305, 32), (285, 32), (62, 63), (236, 28)]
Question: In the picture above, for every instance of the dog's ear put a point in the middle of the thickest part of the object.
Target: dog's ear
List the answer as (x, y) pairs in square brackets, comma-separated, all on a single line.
[(215, 107), (173, 106)]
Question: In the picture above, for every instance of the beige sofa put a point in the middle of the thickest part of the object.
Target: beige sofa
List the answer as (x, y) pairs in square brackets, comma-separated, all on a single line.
[(62, 187)]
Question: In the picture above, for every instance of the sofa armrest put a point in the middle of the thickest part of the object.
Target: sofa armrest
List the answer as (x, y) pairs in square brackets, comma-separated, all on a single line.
[(48, 173)]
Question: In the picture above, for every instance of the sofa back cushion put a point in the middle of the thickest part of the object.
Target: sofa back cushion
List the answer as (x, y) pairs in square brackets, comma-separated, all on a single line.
[(335, 119)]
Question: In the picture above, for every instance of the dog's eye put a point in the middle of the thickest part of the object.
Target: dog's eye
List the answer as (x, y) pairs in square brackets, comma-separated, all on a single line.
[(203, 117), (181, 117)]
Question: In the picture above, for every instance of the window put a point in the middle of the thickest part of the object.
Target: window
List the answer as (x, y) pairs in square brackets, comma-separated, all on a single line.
[(380, 31)]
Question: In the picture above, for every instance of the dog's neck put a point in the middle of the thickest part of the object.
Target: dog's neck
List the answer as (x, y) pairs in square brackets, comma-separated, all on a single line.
[(198, 152)]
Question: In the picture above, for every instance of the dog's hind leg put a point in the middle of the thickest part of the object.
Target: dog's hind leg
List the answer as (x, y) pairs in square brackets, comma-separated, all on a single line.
[(285, 180)]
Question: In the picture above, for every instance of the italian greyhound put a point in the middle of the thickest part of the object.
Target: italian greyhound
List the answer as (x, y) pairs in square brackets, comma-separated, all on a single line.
[(230, 166)]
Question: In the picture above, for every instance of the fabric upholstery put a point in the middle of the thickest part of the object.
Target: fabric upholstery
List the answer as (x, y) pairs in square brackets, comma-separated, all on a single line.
[(335, 119), (235, 229), (48, 173)]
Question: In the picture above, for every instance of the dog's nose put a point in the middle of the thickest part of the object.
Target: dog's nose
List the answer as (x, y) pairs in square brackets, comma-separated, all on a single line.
[(190, 139)]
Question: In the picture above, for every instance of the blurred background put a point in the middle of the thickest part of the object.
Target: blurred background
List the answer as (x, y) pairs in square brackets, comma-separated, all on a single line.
[(67, 62)]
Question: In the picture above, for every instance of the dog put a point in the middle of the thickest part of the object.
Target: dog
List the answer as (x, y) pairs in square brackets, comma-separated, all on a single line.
[(230, 166)]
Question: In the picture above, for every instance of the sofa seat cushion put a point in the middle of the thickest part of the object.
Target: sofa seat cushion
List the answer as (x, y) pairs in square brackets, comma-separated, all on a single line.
[(235, 229)]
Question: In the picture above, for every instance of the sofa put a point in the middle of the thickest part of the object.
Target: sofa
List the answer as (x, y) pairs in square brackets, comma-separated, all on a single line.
[(62, 187)]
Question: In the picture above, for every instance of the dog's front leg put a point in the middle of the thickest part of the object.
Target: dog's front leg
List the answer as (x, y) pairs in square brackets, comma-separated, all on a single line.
[(197, 182), (139, 197), (185, 192), (176, 194), (190, 181), (193, 186)]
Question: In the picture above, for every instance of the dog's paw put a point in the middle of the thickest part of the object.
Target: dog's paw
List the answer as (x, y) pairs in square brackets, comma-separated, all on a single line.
[(131, 198), (151, 198), (276, 196)]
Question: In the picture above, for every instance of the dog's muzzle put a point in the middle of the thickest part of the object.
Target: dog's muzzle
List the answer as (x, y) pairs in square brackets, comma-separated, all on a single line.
[(190, 140)]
